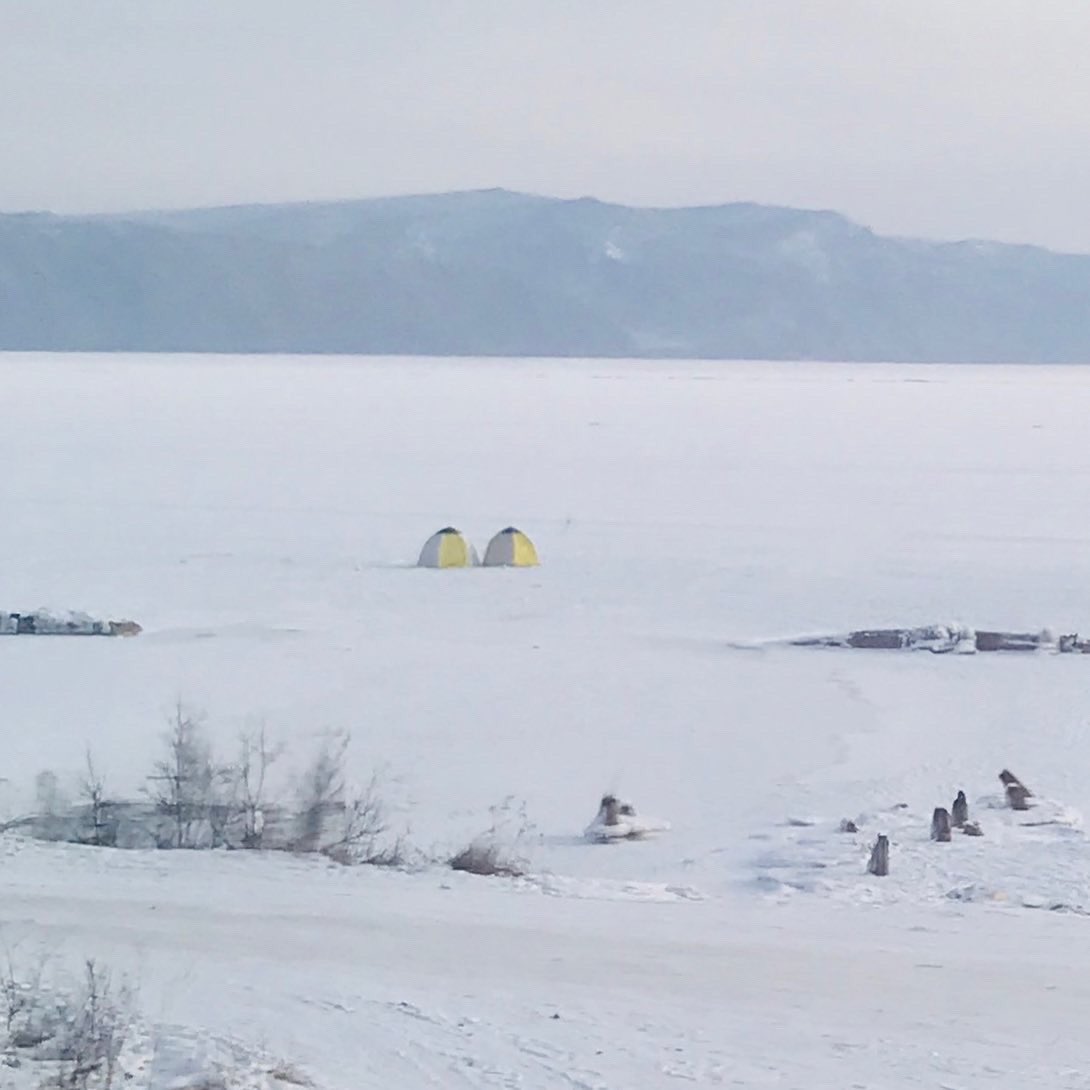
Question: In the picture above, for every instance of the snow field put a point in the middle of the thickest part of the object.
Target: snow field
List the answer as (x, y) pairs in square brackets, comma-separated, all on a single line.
[(260, 518)]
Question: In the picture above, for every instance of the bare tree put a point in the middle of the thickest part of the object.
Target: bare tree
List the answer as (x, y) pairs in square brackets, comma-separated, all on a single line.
[(183, 779), (345, 824), (222, 809), (256, 756), (92, 789), (321, 790), (357, 826)]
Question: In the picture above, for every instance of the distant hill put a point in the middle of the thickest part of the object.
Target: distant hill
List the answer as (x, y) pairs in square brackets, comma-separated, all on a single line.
[(500, 273)]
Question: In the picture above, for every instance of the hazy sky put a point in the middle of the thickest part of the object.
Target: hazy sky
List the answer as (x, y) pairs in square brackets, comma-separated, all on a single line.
[(946, 118)]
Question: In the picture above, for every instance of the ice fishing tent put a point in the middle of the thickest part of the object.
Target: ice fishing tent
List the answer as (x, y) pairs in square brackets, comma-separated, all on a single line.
[(510, 548), (447, 549)]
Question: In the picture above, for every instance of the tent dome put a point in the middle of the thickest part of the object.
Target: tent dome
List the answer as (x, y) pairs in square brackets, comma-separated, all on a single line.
[(447, 549), (510, 548)]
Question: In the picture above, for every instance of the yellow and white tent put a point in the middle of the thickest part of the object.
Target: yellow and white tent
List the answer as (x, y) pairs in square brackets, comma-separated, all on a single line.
[(447, 549), (510, 548)]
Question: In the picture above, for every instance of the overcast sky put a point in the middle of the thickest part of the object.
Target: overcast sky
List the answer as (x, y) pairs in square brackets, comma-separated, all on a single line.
[(945, 118)]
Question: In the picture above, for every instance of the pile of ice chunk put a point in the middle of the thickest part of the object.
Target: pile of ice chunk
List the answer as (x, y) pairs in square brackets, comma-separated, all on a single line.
[(42, 622)]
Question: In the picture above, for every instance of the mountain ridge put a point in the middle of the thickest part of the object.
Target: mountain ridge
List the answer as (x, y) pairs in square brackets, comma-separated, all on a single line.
[(494, 272)]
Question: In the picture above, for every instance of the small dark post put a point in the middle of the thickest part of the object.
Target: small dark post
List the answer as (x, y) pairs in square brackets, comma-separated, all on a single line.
[(959, 812), (1009, 779), (879, 857), (940, 825), (1017, 796)]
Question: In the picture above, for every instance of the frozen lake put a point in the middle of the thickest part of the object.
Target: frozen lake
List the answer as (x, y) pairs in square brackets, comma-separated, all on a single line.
[(261, 518)]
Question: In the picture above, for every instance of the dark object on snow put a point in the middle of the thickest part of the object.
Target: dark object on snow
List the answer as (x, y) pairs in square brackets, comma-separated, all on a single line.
[(940, 825), (848, 826), (878, 864), (940, 639), (611, 810), (1007, 778), (43, 623), (1010, 641), (487, 859), (959, 812), (970, 828), (1017, 792), (1017, 796), (881, 639)]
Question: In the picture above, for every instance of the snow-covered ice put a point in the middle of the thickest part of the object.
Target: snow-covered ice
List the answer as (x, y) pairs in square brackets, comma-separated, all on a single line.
[(261, 519)]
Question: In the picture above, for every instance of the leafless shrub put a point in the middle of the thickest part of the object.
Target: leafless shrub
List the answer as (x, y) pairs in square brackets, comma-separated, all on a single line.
[(321, 791), (75, 1033), (97, 1017), (347, 825), (256, 756), (499, 850), (92, 790), (359, 825), (394, 853), (183, 780), (486, 858), (20, 992)]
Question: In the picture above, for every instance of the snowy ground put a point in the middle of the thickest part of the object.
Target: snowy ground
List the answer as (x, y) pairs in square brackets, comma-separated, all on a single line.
[(260, 518)]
